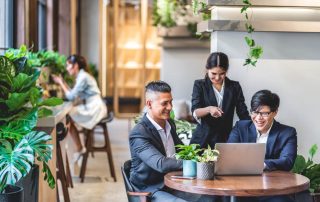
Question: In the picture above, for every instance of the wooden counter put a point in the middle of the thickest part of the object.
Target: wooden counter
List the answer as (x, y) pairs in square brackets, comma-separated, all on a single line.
[(47, 124)]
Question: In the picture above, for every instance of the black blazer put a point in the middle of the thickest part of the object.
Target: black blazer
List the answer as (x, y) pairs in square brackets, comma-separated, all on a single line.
[(213, 130), (281, 149), (149, 161)]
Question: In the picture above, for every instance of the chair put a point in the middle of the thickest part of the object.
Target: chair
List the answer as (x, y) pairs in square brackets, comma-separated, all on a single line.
[(131, 194), (62, 174), (91, 148)]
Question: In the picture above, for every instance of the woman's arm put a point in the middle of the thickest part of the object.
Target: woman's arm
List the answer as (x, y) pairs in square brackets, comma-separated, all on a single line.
[(199, 109), (59, 80)]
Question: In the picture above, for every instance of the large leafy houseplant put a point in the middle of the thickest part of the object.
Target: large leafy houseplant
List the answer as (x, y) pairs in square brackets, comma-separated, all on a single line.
[(308, 168), (21, 105)]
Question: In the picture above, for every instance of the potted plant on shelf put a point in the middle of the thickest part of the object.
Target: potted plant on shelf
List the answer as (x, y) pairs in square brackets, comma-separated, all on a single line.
[(21, 104), (311, 170), (189, 154), (205, 163)]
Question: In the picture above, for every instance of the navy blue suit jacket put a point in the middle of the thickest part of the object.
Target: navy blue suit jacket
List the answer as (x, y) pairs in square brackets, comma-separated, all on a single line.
[(213, 130), (281, 150), (149, 162)]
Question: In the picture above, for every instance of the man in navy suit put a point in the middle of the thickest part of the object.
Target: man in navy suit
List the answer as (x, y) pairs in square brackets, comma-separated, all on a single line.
[(281, 140)]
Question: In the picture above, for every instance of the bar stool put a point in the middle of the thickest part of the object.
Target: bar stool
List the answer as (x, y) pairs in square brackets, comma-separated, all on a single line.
[(65, 179), (89, 134)]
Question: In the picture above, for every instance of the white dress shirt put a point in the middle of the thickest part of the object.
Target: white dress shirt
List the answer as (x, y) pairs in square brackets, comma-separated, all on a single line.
[(263, 138), (165, 136)]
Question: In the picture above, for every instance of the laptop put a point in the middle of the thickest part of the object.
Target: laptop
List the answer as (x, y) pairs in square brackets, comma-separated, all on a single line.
[(240, 158)]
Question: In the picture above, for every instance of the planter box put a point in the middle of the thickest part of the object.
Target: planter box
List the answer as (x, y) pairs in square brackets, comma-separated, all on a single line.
[(12, 194), (177, 31), (30, 185)]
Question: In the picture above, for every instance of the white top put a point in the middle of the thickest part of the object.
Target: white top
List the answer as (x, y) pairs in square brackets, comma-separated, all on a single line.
[(166, 137), (263, 138), (219, 95), (219, 98), (85, 87)]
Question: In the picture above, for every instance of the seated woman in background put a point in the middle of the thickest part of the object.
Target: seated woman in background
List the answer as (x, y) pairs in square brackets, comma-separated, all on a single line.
[(91, 108), (214, 100)]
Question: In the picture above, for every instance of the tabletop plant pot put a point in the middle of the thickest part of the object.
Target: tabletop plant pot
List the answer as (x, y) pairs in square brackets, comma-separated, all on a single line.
[(12, 194), (205, 171), (188, 154), (206, 162), (189, 168)]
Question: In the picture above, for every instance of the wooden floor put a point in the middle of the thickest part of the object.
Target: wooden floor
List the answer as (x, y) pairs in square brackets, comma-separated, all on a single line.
[(99, 185)]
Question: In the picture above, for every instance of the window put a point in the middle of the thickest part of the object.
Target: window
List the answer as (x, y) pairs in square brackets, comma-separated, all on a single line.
[(42, 24), (6, 24)]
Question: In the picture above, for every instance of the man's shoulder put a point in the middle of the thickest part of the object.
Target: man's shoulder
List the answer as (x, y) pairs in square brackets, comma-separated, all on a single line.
[(140, 129), (285, 128), (244, 123)]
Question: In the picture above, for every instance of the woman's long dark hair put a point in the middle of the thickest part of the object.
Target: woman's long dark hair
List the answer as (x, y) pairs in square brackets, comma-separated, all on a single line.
[(217, 59), (80, 60)]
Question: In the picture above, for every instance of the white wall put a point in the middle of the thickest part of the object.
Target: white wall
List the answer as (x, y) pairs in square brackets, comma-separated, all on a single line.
[(180, 67), (290, 67), (90, 30)]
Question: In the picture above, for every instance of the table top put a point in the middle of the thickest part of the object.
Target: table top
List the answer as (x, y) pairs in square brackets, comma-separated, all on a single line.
[(59, 112), (267, 184)]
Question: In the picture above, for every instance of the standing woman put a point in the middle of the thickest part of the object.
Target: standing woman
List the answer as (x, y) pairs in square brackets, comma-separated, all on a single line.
[(91, 108), (214, 100)]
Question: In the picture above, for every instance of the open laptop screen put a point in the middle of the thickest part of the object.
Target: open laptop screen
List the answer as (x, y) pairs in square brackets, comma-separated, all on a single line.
[(240, 158)]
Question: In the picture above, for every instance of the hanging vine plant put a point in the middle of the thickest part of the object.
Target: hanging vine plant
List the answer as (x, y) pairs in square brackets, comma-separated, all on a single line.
[(255, 51)]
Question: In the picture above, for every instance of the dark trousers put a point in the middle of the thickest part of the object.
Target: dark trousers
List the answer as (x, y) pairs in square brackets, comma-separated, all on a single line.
[(281, 198), (170, 195)]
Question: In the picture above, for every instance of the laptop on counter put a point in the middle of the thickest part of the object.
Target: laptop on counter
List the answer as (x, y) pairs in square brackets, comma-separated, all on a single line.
[(240, 158)]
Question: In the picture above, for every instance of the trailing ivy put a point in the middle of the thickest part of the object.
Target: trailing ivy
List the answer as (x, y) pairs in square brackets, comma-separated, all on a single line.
[(255, 51)]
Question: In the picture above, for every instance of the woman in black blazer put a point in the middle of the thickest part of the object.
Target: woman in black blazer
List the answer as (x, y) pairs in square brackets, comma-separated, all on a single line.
[(214, 100)]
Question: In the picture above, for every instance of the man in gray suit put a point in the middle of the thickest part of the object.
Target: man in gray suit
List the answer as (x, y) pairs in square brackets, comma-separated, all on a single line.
[(152, 146)]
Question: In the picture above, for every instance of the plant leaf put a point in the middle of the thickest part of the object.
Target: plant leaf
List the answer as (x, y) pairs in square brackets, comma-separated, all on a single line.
[(14, 163), (44, 112), (48, 175), (37, 140), (51, 102), (313, 151)]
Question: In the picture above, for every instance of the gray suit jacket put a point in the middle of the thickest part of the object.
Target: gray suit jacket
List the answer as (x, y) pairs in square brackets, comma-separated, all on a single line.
[(149, 161)]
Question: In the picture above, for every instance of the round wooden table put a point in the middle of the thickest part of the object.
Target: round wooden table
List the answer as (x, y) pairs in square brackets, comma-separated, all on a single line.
[(267, 184)]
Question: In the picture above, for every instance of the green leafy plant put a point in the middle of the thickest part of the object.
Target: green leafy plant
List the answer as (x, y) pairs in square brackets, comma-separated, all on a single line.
[(309, 169), (21, 105), (188, 152), (208, 155), (255, 51), (162, 12)]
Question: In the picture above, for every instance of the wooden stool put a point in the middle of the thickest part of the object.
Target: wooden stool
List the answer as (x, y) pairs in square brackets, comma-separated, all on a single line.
[(91, 148), (61, 174)]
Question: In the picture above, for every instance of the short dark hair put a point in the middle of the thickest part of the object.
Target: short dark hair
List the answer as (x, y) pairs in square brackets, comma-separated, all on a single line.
[(78, 59), (218, 59), (158, 86), (265, 98)]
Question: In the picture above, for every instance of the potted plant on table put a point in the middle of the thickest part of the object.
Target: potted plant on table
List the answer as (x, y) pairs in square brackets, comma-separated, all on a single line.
[(21, 104), (311, 170), (205, 163), (189, 154)]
